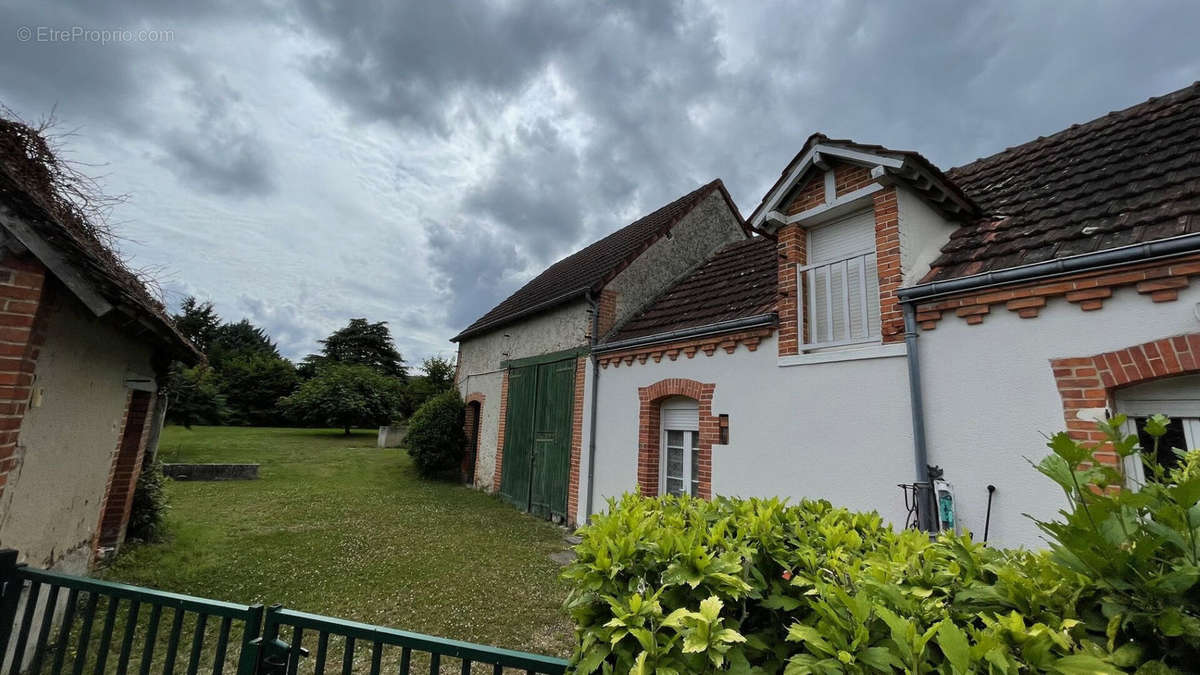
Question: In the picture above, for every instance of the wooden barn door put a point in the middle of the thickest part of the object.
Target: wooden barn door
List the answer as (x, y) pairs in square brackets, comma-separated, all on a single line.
[(552, 438), (517, 463), (537, 446)]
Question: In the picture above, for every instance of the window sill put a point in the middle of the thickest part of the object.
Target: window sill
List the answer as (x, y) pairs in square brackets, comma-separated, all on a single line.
[(848, 354)]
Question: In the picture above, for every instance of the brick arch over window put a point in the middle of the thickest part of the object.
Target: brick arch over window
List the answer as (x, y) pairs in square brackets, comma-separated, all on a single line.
[(650, 436), (1086, 384)]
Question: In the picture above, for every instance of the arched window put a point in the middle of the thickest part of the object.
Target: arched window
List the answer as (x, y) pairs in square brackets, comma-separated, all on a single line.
[(680, 443)]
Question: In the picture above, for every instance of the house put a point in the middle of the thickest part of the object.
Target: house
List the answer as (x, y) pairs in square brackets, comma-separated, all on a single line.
[(523, 367), (84, 350), (889, 316)]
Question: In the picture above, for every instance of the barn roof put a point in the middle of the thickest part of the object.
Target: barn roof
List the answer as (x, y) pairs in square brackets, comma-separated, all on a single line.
[(588, 269)]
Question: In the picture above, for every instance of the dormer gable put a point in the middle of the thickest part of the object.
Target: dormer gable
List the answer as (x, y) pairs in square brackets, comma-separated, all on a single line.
[(853, 223), (828, 177)]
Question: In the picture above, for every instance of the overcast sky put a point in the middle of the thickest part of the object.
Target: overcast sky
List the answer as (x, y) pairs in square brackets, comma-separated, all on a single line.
[(302, 164)]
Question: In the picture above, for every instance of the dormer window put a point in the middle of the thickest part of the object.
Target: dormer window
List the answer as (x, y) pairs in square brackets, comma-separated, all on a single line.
[(839, 287)]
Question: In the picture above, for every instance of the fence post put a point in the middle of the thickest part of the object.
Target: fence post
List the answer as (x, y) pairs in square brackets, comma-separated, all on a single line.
[(10, 597), (248, 659)]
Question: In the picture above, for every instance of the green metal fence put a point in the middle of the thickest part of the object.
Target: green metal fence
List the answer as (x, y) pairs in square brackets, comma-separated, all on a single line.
[(58, 623)]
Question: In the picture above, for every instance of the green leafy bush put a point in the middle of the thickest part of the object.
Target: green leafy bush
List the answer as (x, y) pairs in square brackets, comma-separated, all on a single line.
[(147, 515), (435, 436), (680, 585), (345, 396)]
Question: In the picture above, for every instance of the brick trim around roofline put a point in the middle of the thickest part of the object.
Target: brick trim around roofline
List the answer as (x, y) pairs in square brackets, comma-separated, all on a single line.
[(1160, 281), (649, 436), (708, 345), (1086, 384)]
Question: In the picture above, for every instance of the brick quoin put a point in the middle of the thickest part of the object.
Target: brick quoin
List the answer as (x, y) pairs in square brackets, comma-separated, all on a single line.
[(22, 332), (576, 441), (887, 255), (126, 465), (500, 433), (1159, 281), (650, 432), (469, 423), (1088, 382), (728, 342), (606, 308)]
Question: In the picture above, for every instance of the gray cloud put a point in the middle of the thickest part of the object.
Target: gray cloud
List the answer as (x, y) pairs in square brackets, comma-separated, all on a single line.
[(416, 162)]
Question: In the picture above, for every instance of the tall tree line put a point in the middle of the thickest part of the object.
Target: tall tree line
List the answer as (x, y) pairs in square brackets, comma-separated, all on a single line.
[(359, 378)]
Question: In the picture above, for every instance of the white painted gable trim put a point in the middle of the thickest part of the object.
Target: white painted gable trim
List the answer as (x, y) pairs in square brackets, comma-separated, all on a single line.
[(825, 212), (816, 156)]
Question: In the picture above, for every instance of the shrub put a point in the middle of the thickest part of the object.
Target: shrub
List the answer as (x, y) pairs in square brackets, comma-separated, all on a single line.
[(680, 585), (435, 435), (345, 396), (147, 515)]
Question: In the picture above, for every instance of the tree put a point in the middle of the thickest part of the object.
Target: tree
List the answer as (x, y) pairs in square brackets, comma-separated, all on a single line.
[(438, 377), (233, 340), (253, 384), (366, 344), (435, 436), (194, 397), (198, 322), (345, 396), (439, 373)]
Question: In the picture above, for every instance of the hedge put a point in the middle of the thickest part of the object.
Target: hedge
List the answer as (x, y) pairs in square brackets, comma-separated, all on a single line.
[(681, 585)]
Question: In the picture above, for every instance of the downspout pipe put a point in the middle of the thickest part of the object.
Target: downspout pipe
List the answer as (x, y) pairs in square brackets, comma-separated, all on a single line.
[(591, 460), (920, 452)]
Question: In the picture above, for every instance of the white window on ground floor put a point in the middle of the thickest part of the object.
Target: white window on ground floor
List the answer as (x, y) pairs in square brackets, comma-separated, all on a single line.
[(839, 287), (680, 437), (1177, 398)]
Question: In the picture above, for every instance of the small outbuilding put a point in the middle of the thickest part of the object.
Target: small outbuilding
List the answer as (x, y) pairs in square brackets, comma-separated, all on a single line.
[(84, 352)]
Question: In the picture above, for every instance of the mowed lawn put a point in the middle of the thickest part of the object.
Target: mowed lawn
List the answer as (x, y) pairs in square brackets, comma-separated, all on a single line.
[(339, 527)]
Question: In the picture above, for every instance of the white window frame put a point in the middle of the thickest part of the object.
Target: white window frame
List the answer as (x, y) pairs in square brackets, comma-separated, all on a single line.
[(691, 446), (1178, 405)]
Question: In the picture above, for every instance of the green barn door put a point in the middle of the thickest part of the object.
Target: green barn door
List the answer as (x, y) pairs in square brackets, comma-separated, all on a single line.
[(517, 463), (537, 440), (552, 438)]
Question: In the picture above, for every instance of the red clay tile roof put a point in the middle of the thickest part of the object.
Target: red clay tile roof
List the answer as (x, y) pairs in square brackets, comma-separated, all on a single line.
[(1129, 177), (737, 281), (592, 267)]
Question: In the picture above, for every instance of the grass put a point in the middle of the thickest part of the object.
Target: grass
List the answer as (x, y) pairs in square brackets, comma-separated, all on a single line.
[(338, 527)]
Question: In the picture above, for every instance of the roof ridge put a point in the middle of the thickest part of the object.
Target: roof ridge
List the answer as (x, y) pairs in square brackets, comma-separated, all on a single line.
[(1176, 96)]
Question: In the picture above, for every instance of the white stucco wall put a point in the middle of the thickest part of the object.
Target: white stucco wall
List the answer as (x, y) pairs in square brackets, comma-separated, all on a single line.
[(990, 396), (839, 431), (480, 369), (706, 228), (50, 508), (923, 232)]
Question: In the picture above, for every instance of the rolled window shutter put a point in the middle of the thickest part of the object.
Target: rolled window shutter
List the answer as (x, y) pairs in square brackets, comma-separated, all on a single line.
[(844, 283), (681, 414)]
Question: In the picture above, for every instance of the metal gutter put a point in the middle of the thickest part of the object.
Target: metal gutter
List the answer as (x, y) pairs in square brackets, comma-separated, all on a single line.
[(692, 332), (1163, 248)]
